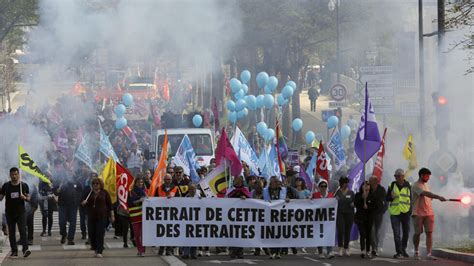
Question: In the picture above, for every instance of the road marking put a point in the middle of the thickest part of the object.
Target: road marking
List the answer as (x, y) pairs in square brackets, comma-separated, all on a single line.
[(76, 246), (35, 247), (237, 261), (173, 261), (387, 260), (315, 260)]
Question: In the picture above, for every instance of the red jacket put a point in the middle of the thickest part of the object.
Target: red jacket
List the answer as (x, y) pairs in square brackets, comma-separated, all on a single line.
[(317, 195)]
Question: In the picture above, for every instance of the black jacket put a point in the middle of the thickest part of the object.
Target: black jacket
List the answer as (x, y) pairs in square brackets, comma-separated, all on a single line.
[(361, 213)]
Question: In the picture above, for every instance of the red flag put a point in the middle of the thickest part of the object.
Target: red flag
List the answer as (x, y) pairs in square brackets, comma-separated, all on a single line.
[(166, 91), (124, 180), (321, 163), (378, 168), (226, 151)]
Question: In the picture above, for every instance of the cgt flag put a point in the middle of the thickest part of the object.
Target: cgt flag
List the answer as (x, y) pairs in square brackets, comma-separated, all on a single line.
[(226, 151), (109, 177), (124, 180), (322, 163), (215, 183), (378, 168), (409, 154), (28, 165), (368, 140)]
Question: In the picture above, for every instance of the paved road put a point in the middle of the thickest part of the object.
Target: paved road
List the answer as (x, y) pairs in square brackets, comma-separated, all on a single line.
[(48, 251)]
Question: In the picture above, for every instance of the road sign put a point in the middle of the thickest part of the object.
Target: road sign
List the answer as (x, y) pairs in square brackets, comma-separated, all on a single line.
[(325, 114), (380, 86), (337, 104), (338, 92), (410, 109)]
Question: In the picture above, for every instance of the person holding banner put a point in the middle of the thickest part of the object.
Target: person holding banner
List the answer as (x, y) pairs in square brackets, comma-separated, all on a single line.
[(169, 190), (345, 215), (238, 191), (190, 252), (138, 194), (275, 191), (365, 204), (99, 210), (16, 193), (323, 193)]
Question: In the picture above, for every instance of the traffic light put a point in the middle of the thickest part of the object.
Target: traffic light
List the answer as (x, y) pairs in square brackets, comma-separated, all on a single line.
[(442, 116)]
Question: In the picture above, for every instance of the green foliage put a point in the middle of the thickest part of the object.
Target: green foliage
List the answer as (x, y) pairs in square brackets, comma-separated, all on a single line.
[(15, 16)]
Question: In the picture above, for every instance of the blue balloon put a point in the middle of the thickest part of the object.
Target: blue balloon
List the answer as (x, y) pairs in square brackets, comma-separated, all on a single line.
[(230, 105), (240, 105), (309, 137), (245, 76), (262, 79), (261, 127), (197, 120), (239, 95), (120, 123), (260, 101), (287, 92), (268, 101), (235, 85), (232, 116), (251, 102), (272, 83), (127, 99), (120, 110), (245, 88), (280, 100), (242, 113), (332, 121), (297, 124), (292, 84), (345, 132), (269, 134)]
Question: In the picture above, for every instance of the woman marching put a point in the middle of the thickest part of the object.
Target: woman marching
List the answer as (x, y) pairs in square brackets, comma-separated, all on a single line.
[(364, 218), (137, 195), (99, 209)]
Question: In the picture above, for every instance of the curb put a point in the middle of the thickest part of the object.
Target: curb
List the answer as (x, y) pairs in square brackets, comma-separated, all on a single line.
[(453, 255)]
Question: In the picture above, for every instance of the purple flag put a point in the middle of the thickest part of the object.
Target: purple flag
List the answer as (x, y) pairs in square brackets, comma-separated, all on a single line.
[(307, 179), (356, 177), (368, 139)]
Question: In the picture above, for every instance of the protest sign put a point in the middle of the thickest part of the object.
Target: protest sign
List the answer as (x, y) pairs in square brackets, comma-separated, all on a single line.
[(239, 223)]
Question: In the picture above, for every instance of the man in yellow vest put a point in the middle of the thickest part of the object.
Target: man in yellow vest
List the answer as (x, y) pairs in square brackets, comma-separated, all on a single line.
[(399, 197)]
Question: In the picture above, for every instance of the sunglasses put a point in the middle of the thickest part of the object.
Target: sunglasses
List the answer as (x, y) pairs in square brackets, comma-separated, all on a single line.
[(323, 186), (179, 172)]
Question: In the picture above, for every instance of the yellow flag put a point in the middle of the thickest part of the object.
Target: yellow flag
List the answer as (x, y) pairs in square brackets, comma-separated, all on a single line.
[(409, 154), (110, 179), (28, 165)]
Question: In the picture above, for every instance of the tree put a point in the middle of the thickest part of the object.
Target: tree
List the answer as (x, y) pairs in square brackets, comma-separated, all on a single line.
[(14, 16), (460, 15)]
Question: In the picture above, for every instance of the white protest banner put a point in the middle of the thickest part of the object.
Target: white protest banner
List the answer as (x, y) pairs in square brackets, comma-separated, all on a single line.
[(239, 223), (244, 150)]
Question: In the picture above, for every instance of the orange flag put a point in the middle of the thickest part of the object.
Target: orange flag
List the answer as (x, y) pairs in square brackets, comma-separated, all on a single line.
[(161, 169)]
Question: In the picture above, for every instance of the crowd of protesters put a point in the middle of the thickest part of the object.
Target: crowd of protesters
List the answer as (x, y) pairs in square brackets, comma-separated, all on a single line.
[(76, 188)]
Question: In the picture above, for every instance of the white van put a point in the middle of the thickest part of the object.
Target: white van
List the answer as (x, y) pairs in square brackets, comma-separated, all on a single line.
[(201, 138)]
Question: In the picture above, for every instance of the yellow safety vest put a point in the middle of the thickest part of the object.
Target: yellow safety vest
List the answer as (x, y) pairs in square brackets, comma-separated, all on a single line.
[(401, 204)]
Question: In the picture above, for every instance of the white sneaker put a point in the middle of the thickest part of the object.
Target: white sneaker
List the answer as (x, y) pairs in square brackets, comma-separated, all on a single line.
[(176, 251), (429, 256), (346, 253), (208, 253), (341, 252), (303, 250), (98, 255), (321, 256), (417, 255), (199, 253), (272, 256), (330, 255)]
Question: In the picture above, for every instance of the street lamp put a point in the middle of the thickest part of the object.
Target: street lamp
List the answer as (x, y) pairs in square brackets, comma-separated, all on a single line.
[(333, 5)]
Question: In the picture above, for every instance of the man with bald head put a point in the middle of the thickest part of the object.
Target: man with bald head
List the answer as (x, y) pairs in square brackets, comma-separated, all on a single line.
[(399, 198)]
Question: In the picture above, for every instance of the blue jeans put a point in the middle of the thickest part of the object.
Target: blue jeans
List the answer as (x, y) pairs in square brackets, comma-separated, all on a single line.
[(402, 219), (67, 214)]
